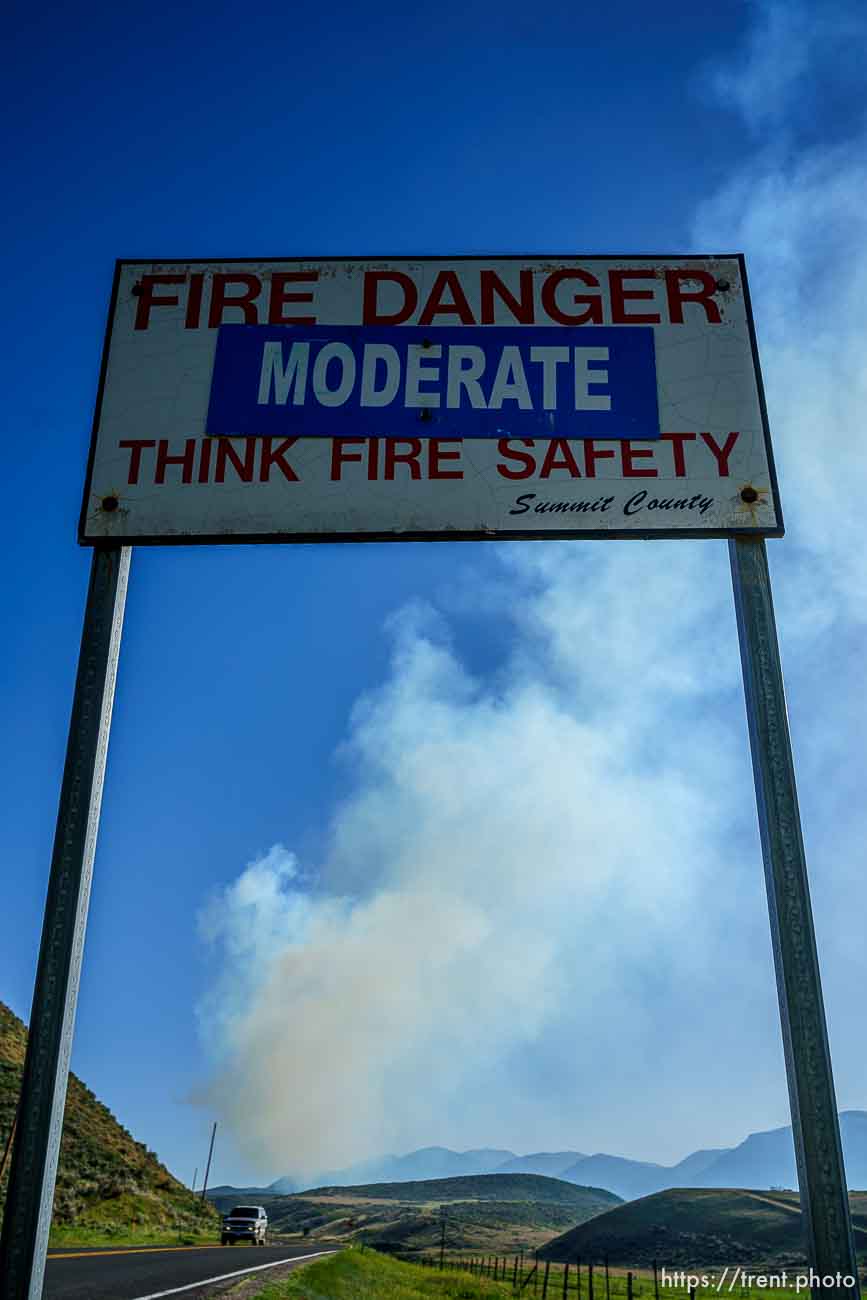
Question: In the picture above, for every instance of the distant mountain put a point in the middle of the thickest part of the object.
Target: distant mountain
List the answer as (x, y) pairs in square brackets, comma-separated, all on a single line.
[(226, 1192), (551, 1163), (768, 1159), (692, 1167), (853, 1134), (440, 1162), (626, 1178), (762, 1160)]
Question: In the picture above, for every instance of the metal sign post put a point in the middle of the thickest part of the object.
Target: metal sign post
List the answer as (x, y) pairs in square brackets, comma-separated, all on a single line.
[(30, 1194), (816, 1129)]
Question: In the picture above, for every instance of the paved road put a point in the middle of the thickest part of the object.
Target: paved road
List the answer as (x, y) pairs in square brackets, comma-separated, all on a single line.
[(138, 1272)]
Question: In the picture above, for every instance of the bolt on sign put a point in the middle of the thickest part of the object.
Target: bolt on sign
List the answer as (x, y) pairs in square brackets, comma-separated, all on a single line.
[(451, 398)]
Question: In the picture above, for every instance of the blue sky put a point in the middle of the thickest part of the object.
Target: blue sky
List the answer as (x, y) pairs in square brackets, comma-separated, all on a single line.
[(620, 982)]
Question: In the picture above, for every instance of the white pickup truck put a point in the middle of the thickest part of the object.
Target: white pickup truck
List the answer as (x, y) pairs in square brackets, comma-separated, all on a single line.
[(244, 1223)]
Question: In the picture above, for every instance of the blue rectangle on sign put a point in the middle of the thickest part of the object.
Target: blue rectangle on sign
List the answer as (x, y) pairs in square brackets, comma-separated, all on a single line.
[(442, 382)]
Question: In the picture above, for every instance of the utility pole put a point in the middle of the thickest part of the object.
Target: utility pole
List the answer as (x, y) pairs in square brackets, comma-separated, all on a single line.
[(195, 1176), (208, 1165)]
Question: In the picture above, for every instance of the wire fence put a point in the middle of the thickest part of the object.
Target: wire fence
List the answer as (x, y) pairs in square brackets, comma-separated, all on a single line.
[(527, 1275)]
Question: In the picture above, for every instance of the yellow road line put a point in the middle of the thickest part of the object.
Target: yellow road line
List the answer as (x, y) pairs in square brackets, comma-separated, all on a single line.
[(132, 1250)]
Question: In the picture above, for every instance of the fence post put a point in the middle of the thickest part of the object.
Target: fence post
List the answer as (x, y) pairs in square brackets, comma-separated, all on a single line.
[(566, 1280), (545, 1283), (607, 1283), (590, 1279), (515, 1272), (628, 1286), (578, 1266)]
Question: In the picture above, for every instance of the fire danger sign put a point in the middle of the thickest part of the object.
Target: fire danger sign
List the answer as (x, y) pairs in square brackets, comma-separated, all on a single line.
[(431, 398)]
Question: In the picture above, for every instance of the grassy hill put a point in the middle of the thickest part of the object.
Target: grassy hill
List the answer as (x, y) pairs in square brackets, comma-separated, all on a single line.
[(486, 1212), (688, 1227), (491, 1187), (108, 1185)]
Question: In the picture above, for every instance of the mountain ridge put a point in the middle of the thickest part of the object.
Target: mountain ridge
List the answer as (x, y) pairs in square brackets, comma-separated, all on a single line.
[(764, 1159)]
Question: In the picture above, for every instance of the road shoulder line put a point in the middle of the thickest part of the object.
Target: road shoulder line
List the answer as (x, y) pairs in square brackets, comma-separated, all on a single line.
[(224, 1277)]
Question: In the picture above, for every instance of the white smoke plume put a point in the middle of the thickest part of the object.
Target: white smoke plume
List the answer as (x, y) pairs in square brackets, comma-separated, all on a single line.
[(541, 919), (474, 874)]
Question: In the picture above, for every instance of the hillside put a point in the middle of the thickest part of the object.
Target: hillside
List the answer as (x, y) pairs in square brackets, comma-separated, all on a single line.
[(490, 1187), (493, 1212), (106, 1181), (697, 1228), (427, 1162)]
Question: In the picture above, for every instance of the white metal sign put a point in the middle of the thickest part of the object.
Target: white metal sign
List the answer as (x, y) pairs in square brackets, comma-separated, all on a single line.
[(309, 400)]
